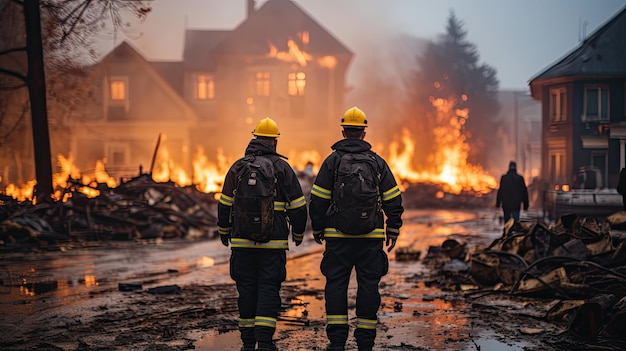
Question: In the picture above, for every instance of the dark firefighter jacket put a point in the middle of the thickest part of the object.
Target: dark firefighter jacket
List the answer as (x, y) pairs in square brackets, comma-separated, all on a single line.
[(321, 194), (512, 192), (289, 203)]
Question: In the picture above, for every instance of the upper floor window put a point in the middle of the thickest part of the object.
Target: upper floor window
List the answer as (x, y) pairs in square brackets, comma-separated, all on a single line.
[(558, 104), (118, 88), (296, 83), (205, 87), (262, 84), (596, 103)]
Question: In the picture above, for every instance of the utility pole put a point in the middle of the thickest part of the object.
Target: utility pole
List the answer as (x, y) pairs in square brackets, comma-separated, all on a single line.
[(36, 83)]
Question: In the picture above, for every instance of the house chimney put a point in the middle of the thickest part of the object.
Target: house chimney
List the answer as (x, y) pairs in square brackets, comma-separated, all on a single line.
[(250, 7)]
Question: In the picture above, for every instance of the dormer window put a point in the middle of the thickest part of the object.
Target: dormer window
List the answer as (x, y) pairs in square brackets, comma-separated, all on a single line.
[(205, 87)]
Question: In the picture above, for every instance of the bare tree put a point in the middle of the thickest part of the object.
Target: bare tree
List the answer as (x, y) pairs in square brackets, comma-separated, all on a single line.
[(60, 30)]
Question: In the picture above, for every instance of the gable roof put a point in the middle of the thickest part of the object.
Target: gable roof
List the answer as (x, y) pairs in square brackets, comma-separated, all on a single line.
[(275, 22), (125, 52), (198, 45), (602, 54)]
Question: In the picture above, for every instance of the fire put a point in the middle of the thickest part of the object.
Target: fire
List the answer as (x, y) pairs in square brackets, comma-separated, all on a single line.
[(448, 166), (294, 54)]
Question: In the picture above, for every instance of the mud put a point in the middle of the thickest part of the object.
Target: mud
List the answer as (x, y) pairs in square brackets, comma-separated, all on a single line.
[(181, 298)]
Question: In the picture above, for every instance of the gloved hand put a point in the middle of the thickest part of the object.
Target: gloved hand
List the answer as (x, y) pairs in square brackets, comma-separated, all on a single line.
[(225, 239), (392, 237), (318, 236)]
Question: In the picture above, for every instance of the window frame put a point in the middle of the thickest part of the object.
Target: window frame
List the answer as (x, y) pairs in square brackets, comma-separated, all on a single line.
[(296, 83), (208, 84), (558, 104), (599, 113), (125, 85)]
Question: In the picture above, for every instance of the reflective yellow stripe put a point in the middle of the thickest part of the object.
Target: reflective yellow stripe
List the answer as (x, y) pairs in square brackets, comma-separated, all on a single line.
[(251, 244), (341, 319), (246, 322), (297, 236), (321, 192), (378, 233), (299, 202), (226, 200), (223, 230), (280, 206), (265, 322), (363, 323), (391, 193)]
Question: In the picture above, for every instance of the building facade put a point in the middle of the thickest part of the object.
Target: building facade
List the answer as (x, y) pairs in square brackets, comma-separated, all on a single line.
[(278, 63), (583, 108)]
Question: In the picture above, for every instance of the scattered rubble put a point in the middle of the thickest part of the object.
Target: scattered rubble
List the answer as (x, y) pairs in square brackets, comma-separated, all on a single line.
[(571, 274), (137, 209)]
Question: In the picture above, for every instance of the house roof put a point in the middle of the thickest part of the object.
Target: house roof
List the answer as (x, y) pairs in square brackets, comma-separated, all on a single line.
[(274, 23), (171, 72), (158, 72), (602, 54), (198, 45)]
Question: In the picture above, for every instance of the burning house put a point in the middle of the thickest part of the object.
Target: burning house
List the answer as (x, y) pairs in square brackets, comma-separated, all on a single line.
[(278, 62)]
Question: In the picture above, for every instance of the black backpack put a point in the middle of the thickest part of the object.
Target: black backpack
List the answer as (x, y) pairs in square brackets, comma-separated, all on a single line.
[(356, 200), (253, 198)]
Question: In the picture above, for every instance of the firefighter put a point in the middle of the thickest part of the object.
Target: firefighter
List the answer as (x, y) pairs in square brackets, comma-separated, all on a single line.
[(258, 268), (363, 251)]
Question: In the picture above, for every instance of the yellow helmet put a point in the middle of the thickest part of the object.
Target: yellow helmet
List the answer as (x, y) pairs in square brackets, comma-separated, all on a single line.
[(266, 128), (354, 117)]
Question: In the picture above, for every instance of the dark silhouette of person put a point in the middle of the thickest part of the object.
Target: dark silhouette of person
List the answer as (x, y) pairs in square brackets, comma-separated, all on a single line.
[(512, 193), (621, 186)]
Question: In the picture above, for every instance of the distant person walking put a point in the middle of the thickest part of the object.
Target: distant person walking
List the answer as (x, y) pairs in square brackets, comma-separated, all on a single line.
[(512, 193), (353, 197), (621, 186)]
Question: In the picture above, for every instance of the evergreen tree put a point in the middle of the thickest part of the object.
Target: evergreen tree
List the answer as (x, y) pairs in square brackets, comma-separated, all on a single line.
[(450, 69)]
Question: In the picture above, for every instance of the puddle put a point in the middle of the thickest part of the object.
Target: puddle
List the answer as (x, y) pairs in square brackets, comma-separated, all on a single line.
[(488, 341)]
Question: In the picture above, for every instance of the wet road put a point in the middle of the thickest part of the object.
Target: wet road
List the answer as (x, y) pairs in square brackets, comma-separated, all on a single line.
[(36, 285)]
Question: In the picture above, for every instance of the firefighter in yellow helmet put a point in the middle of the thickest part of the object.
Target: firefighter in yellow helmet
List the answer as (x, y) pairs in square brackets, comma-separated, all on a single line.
[(260, 191), (352, 193)]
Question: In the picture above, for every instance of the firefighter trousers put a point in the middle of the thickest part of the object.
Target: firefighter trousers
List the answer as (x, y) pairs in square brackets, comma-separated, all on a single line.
[(258, 274), (370, 262)]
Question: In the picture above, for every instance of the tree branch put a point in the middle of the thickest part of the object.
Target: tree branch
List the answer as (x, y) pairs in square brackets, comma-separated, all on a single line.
[(13, 74), (8, 51)]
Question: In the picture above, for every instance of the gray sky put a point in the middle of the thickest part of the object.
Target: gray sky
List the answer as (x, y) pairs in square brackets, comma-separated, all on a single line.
[(517, 37)]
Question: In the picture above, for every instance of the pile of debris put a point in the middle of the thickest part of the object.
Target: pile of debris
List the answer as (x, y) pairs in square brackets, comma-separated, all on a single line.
[(137, 209), (576, 266)]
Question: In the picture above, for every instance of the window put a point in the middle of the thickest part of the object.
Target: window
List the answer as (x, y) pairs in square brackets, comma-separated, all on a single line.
[(205, 87), (262, 84), (557, 167), (296, 83), (596, 103), (558, 105), (118, 89)]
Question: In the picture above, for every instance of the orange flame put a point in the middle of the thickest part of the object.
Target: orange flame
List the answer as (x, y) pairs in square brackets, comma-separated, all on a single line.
[(294, 54), (448, 166)]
